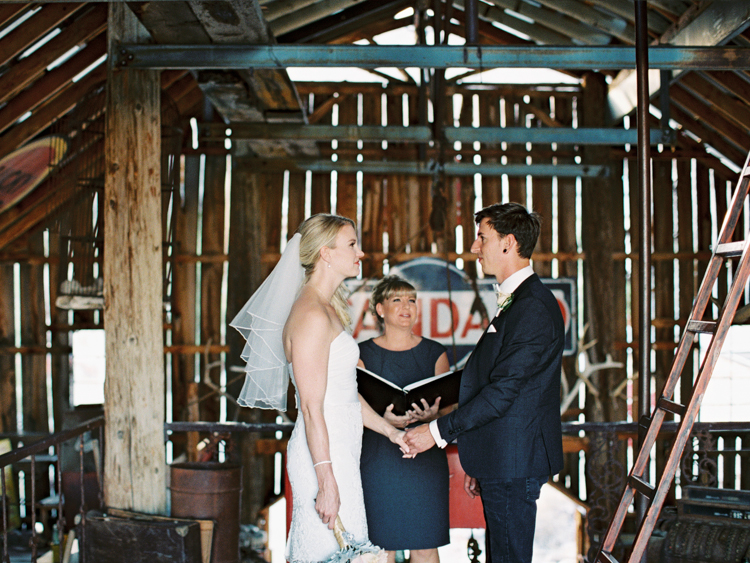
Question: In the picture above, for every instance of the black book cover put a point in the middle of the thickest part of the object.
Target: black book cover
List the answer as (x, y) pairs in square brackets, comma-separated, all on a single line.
[(380, 393)]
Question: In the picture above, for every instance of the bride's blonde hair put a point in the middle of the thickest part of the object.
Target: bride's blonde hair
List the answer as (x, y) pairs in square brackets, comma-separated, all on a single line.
[(318, 231)]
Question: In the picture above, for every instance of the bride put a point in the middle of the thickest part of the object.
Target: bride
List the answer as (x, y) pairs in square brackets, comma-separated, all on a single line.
[(317, 351)]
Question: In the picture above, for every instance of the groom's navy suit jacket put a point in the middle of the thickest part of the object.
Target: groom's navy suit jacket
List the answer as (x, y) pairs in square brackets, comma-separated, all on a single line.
[(508, 416)]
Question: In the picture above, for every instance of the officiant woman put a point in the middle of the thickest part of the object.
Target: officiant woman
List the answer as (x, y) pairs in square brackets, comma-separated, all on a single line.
[(406, 500)]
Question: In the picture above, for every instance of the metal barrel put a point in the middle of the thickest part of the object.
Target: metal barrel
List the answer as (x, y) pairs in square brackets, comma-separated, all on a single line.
[(210, 491)]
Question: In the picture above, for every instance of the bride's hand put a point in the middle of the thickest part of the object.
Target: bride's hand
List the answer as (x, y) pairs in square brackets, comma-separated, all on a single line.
[(397, 437), (395, 420), (327, 502)]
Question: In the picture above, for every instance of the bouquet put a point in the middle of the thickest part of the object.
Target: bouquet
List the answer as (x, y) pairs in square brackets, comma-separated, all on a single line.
[(353, 552)]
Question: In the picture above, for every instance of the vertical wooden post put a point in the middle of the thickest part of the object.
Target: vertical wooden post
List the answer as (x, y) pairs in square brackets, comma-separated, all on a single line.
[(601, 236), (7, 361), (134, 398), (245, 276)]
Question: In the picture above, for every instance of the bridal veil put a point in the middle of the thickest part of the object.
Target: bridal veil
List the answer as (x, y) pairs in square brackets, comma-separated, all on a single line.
[(261, 322)]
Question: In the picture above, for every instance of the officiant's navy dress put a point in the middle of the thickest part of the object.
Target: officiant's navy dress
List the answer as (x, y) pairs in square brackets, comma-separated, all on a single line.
[(406, 500)]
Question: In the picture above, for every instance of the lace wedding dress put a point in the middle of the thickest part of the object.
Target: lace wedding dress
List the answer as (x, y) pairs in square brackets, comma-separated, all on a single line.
[(310, 541)]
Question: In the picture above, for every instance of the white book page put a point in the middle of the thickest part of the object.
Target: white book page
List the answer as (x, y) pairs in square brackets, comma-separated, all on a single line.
[(425, 381), (376, 376)]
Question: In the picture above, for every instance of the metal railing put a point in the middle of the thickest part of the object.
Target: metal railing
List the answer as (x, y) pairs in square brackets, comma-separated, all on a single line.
[(712, 458), (41, 447)]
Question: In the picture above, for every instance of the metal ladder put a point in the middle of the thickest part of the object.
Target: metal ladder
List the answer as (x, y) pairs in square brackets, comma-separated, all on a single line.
[(637, 480)]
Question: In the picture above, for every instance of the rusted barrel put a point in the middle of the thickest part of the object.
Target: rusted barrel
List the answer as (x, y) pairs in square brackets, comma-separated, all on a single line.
[(210, 491)]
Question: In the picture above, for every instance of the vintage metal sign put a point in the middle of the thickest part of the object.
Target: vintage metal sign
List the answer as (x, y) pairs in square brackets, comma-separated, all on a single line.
[(448, 309), (22, 170)]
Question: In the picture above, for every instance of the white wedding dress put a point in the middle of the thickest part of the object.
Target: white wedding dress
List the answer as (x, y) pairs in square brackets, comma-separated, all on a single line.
[(310, 541)]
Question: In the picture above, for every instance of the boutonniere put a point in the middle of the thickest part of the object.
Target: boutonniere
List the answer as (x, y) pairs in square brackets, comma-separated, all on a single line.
[(503, 301)]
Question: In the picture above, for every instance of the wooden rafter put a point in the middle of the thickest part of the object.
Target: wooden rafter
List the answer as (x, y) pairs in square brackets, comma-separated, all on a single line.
[(714, 120), (730, 107), (10, 10), (32, 67), (53, 109), (699, 129), (46, 19), (657, 24), (733, 82), (52, 82), (555, 21)]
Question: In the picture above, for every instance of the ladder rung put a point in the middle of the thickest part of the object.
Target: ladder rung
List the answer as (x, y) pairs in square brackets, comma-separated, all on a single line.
[(605, 557), (644, 422), (641, 486), (670, 406), (730, 249), (701, 326)]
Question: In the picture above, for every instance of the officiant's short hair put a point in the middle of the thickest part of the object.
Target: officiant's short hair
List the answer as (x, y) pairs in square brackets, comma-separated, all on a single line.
[(513, 219), (387, 288)]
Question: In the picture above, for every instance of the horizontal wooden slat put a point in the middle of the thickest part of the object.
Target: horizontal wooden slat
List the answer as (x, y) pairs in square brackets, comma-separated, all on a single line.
[(196, 349)]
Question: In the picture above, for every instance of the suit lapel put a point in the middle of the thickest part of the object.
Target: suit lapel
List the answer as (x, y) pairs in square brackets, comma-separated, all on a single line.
[(525, 285)]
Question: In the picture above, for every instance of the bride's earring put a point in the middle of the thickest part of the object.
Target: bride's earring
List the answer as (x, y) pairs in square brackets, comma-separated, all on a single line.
[(329, 264)]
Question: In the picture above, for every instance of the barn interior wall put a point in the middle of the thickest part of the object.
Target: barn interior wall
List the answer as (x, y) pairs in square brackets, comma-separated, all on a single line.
[(590, 233)]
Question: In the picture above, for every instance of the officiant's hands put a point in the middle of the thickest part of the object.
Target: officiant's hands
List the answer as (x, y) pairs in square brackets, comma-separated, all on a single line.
[(425, 412), (396, 420), (419, 439)]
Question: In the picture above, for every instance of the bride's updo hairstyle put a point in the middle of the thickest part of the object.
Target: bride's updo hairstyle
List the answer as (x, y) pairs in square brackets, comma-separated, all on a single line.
[(318, 231)]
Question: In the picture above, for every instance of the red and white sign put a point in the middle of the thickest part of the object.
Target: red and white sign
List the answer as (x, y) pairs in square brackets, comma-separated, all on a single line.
[(24, 169), (444, 310)]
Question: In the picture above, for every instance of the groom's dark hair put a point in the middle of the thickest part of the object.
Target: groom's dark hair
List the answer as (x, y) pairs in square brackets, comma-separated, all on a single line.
[(513, 219)]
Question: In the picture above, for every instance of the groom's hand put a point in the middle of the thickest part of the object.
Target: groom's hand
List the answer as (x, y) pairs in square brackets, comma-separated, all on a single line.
[(419, 438)]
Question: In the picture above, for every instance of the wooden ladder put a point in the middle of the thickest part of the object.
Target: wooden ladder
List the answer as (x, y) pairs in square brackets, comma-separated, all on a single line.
[(637, 480)]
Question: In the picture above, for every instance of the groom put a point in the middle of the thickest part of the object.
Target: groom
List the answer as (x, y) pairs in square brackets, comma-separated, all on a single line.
[(508, 417)]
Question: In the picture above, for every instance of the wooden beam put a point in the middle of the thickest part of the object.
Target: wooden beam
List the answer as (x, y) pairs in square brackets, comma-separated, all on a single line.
[(358, 21), (537, 33), (308, 14), (733, 82), (657, 24), (52, 82), (731, 108), (699, 29), (32, 67), (65, 100), (723, 135), (607, 23), (135, 464), (556, 21), (11, 9), (34, 28), (169, 77), (190, 104)]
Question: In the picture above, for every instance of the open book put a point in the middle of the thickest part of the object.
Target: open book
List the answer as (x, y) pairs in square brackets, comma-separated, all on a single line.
[(379, 392)]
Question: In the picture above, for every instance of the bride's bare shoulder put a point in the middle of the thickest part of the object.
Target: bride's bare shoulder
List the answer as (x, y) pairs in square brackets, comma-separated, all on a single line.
[(308, 315)]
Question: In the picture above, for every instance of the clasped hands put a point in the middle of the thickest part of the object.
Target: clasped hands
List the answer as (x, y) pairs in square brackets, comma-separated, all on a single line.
[(419, 438)]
